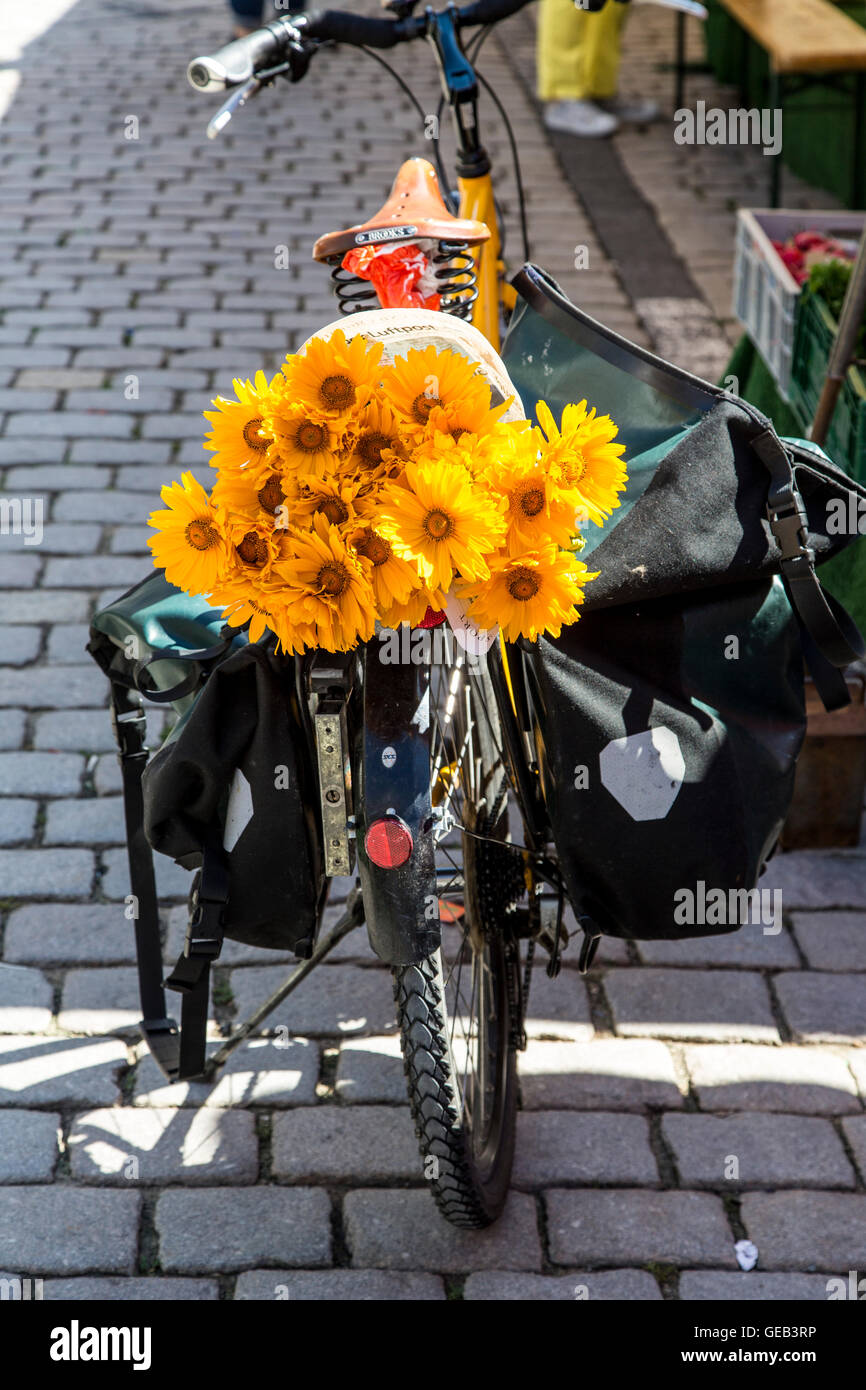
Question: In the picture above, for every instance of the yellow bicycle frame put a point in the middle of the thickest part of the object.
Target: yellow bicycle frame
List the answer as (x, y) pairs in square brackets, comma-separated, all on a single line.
[(477, 203)]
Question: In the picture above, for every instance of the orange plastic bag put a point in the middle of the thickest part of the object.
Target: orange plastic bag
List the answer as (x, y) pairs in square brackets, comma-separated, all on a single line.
[(395, 273)]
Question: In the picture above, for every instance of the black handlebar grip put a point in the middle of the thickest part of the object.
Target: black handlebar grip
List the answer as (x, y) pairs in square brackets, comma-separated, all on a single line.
[(342, 27), (491, 11), (240, 60)]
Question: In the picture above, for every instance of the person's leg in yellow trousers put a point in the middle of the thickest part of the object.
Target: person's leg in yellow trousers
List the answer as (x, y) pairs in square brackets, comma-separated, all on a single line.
[(578, 68), (578, 52)]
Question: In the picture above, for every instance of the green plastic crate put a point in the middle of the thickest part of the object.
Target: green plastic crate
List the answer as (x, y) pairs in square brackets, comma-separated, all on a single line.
[(814, 332)]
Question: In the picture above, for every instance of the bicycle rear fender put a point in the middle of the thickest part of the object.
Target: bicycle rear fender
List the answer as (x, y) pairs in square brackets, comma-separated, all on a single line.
[(392, 770)]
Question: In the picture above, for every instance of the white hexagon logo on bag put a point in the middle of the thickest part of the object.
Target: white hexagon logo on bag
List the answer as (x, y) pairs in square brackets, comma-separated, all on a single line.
[(644, 772)]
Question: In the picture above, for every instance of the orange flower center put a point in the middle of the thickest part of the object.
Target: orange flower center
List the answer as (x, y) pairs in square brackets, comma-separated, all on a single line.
[(370, 446), (254, 437), (333, 579), (532, 501), (337, 392), (438, 525), (422, 406), (335, 509), (310, 437), (522, 584), (576, 466), (271, 495), (201, 534), (253, 549), (374, 548)]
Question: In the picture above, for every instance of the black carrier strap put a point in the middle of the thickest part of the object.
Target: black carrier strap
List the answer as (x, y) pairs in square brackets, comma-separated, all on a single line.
[(179, 1054), (204, 940), (830, 637)]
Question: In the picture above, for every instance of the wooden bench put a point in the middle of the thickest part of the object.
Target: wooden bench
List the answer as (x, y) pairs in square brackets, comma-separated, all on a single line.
[(807, 42)]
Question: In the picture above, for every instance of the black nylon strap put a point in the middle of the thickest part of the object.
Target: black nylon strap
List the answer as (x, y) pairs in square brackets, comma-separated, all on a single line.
[(160, 1031), (190, 682), (829, 681), (204, 938), (831, 627), (831, 638), (199, 660)]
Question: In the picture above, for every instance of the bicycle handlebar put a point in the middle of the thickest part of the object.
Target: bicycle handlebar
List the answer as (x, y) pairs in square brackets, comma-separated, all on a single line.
[(264, 48), (240, 60)]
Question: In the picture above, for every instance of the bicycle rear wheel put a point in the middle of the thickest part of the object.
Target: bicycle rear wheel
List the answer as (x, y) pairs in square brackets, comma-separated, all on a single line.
[(459, 1010)]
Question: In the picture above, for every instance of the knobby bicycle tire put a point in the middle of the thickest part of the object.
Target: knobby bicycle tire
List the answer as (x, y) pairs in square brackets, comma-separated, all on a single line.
[(468, 1153)]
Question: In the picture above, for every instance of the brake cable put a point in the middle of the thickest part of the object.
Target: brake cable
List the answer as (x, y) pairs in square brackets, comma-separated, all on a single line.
[(473, 48), (518, 176), (437, 154)]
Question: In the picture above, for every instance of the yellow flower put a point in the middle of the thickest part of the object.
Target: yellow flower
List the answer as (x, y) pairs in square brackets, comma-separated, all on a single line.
[(253, 491), (528, 594), (293, 634), (334, 377), (303, 442), (425, 380), (441, 523), (334, 498), (245, 601), (254, 545), (191, 545), (414, 608), (468, 415), (377, 441), (582, 456), (539, 510), (435, 448), (239, 435), (326, 586), (392, 578)]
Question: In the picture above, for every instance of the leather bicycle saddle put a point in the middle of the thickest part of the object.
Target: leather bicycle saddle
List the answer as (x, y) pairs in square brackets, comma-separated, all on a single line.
[(414, 211)]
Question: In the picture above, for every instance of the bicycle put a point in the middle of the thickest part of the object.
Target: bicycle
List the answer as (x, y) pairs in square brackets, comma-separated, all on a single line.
[(444, 816)]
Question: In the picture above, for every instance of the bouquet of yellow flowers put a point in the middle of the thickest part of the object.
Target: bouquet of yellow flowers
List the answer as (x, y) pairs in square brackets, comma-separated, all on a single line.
[(351, 491)]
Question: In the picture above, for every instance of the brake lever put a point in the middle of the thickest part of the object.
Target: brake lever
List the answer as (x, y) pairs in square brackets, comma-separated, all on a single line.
[(238, 98)]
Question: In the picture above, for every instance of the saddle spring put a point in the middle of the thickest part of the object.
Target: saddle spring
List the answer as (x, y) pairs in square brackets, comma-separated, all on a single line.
[(352, 292), (458, 282)]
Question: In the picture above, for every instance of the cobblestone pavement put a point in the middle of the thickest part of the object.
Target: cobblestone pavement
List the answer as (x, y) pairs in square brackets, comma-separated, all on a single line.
[(296, 1174)]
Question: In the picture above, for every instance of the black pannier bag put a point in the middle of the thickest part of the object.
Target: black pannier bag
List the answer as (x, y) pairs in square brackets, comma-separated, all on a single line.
[(234, 763), (670, 716), (232, 792)]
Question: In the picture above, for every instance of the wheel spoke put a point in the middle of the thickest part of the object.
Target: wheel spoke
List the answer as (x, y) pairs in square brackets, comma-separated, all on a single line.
[(474, 988)]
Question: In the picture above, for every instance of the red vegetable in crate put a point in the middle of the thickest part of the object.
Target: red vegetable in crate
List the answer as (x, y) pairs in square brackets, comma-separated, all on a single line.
[(805, 249), (807, 241)]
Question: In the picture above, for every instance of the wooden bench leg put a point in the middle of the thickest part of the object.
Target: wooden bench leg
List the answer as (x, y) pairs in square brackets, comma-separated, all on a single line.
[(679, 87), (745, 54), (858, 191), (776, 97)]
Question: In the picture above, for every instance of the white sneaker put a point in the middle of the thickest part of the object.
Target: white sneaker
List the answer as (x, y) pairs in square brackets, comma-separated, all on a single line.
[(630, 109), (579, 118)]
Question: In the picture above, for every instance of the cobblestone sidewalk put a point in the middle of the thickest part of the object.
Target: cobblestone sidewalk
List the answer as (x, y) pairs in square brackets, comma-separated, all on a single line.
[(137, 273)]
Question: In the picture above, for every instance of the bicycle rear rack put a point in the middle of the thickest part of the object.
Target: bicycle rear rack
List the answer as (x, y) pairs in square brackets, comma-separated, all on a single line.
[(330, 682)]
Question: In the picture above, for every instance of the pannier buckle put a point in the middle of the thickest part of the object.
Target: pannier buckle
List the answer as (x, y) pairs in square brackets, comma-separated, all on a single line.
[(130, 731), (788, 523), (206, 918)]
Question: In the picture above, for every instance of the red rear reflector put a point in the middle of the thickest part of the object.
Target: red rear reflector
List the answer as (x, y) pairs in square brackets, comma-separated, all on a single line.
[(432, 618), (388, 842), (450, 912)]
